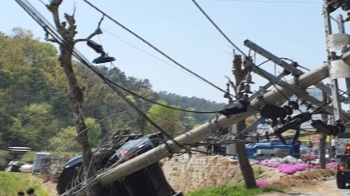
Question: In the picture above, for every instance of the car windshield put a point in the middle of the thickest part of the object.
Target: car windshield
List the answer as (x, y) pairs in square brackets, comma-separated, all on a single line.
[(135, 143)]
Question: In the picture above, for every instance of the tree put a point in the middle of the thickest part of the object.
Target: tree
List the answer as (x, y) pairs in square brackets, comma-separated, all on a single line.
[(247, 170), (166, 118), (67, 30), (70, 132)]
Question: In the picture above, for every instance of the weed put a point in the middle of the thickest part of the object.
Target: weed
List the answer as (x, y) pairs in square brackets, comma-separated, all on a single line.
[(233, 191), (11, 183), (258, 170)]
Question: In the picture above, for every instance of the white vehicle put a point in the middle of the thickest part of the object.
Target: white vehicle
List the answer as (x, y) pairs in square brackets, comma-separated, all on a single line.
[(26, 168)]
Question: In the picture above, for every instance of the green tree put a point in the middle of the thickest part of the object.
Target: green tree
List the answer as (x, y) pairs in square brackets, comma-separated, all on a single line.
[(68, 133), (166, 118), (95, 131), (6, 79), (62, 138), (37, 119)]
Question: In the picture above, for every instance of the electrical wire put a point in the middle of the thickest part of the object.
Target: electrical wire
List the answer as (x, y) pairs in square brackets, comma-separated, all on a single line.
[(71, 139), (236, 47), (159, 51), (50, 30), (56, 36), (148, 53), (271, 1), (155, 48)]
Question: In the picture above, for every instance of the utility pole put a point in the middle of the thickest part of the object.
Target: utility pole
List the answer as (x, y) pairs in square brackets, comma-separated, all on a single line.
[(242, 90), (207, 129), (289, 68), (323, 139), (337, 67)]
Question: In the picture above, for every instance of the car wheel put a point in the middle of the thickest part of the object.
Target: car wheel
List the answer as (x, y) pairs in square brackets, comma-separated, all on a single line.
[(340, 185)]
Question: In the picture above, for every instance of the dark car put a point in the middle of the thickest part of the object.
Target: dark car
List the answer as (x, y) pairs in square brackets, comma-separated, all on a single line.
[(343, 159), (148, 181)]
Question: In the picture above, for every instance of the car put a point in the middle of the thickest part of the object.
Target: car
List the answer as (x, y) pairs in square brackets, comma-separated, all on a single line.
[(343, 159), (147, 181)]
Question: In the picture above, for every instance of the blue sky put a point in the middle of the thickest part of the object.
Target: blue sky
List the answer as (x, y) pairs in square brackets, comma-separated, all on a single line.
[(292, 29)]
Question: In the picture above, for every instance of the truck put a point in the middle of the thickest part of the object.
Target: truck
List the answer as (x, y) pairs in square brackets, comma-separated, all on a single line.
[(343, 160)]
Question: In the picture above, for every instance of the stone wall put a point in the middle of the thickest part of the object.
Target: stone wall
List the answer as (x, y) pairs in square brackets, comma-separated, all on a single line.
[(189, 174)]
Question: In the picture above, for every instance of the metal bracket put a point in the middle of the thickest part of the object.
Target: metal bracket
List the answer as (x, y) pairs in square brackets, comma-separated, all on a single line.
[(337, 41), (339, 69), (287, 66)]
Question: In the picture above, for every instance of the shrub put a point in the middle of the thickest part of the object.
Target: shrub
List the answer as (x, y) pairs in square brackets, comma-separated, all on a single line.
[(11, 183)]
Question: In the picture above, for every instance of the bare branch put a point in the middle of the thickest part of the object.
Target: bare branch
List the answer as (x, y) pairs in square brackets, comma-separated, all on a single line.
[(53, 7), (71, 29), (74, 9), (98, 31)]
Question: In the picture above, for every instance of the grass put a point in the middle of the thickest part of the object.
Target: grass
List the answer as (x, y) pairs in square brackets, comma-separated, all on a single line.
[(257, 170), (11, 183), (234, 190)]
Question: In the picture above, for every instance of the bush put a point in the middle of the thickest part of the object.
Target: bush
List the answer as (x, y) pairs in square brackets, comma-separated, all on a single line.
[(4, 155), (28, 156), (11, 183), (233, 191)]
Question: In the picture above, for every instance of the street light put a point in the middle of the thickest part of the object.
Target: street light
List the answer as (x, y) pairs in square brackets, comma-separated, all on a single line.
[(104, 58)]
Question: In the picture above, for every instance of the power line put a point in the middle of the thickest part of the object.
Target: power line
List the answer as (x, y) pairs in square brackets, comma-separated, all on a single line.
[(272, 1), (158, 50), (155, 48), (148, 53), (50, 30), (236, 47)]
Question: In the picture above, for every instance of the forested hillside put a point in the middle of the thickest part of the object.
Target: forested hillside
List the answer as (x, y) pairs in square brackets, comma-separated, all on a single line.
[(35, 111)]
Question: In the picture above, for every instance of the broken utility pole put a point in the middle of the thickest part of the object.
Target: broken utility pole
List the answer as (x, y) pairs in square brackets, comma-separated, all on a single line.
[(207, 129)]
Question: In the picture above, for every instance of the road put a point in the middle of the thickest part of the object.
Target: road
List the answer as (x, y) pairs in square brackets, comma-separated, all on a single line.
[(327, 188), (333, 190)]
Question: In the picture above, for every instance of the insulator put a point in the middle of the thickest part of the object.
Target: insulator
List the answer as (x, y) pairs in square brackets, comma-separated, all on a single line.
[(289, 110), (248, 79), (272, 112), (241, 87), (295, 64), (341, 127), (247, 89), (293, 104)]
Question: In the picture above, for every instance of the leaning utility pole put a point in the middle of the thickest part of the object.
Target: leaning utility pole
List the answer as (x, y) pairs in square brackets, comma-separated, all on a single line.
[(207, 129), (242, 88)]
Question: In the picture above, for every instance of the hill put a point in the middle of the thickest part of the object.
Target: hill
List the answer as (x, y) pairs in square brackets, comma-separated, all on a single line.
[(35, 111)]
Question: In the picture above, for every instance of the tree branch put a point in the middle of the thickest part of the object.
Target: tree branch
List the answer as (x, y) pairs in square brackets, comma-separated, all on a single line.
[(98, 31), (53, 8)]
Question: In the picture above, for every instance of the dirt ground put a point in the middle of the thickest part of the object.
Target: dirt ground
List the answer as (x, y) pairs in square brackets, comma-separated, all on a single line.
[(301, 183), (307, 183)]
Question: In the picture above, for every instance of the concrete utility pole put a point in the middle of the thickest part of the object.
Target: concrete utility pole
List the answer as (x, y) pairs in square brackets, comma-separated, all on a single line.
[(342, 30), (207, 129), (337, 67), (299, 91), (289, 67), (323, 139)]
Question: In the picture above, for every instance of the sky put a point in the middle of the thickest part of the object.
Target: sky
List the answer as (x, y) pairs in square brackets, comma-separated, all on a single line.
[(293, 29)]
